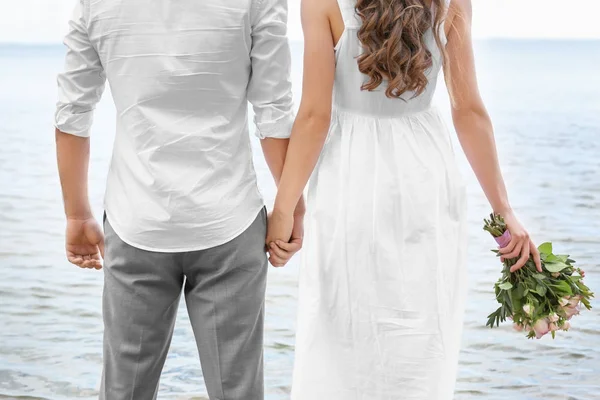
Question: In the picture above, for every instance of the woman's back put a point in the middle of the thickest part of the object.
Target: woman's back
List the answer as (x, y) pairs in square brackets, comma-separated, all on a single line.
[(382, 285), (382, 278), (348, 95)]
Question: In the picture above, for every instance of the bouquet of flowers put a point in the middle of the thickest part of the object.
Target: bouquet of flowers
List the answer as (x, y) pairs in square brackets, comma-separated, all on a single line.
[(537, 302)]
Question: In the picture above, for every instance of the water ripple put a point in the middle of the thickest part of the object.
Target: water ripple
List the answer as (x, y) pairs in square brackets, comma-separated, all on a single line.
[(51, 336)]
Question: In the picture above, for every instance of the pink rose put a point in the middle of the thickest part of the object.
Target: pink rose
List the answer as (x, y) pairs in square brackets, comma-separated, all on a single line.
[(563, 301), (553, 327), (541, 328), (572, 307), (574, 301), (553, 317), (566, 326), (571, 311), (527, 309)]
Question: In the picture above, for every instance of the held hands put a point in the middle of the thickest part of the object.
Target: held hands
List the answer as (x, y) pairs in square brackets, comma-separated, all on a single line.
[(520, 244), (84, 243), (285, 234)]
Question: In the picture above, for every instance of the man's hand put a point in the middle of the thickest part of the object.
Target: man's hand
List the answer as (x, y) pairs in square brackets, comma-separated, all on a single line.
[(84, 243), (84, 237)]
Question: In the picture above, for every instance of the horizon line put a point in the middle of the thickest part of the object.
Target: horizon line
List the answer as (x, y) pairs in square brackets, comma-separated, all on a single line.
[(480, 39)]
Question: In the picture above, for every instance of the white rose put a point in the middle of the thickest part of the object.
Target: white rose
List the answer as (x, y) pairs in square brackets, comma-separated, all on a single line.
[(528, 309)]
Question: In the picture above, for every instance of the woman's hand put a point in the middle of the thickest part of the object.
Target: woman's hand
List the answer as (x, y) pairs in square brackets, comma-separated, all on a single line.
[(280, 252), (520, 244), (280, 227), (84, 243)]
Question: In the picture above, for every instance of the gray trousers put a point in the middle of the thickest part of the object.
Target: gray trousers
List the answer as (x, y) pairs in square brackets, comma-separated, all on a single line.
[(224, 289)]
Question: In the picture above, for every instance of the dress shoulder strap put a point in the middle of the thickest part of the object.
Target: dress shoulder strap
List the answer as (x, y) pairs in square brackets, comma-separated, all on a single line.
[(347, 7)]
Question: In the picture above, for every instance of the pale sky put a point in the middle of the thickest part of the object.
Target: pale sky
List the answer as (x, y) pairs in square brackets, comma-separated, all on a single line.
[(44, 21)]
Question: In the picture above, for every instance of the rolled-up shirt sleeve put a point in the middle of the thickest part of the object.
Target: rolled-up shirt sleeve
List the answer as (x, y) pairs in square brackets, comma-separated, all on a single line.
[(270, 87), (81, 84)]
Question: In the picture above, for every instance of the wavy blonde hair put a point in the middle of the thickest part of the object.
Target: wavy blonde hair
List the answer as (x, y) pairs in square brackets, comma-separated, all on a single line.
[(393, 38)]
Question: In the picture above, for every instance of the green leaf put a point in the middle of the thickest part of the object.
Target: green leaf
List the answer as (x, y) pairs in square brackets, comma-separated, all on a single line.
[(582, 286), (508, 306), (541, 290), (530, 282), (517, 303), (545, 248), (494, 318), (564, 287), (539, 276), (506, 286), (586, 303), (562, 257), (520, 292), (555, 266)]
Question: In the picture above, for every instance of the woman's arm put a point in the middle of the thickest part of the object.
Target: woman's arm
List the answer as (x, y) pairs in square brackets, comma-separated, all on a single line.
[(270, 93), (475, 131), (314, 116), (275, 151)]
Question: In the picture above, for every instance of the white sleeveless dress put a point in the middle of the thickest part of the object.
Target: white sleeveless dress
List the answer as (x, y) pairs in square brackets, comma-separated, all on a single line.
[(382, 281)]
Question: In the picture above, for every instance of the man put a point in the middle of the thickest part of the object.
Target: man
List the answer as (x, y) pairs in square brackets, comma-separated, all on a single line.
[(182, 207)]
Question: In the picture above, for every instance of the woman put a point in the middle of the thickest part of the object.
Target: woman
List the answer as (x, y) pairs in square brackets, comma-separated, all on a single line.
[(382, 285)]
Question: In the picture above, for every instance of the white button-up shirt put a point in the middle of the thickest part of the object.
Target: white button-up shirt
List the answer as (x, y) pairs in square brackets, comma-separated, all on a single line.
[(181, 74)]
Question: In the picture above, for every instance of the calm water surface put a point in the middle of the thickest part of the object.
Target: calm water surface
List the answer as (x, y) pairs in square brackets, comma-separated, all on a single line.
[(544, 98)]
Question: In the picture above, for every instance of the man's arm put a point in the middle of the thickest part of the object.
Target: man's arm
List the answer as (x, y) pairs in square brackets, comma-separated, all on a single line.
[(73, 155), (80, 87), (270, 92)]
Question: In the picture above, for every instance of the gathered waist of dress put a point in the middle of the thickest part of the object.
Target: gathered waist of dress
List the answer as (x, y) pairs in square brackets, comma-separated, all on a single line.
[(343, 112), (426, 123)]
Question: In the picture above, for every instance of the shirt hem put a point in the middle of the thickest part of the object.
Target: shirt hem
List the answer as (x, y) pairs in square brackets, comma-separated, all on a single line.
[(227, 239), (280, 129), (85, 133)]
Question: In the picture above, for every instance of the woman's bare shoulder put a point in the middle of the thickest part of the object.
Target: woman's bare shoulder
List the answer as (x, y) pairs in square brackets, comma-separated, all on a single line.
[(460, 7), (326, 7), (459, 12)]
